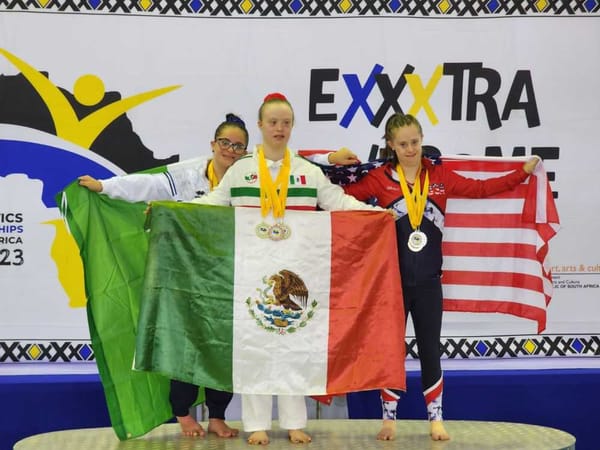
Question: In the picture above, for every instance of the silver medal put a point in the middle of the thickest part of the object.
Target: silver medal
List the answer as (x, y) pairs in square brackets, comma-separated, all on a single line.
[(417, 241)]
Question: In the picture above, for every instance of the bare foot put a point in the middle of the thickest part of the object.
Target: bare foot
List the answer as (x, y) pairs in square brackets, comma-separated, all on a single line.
[(258, 438), (221, 429), (189, 426), (388, 431), (438, 432), (299, 437)]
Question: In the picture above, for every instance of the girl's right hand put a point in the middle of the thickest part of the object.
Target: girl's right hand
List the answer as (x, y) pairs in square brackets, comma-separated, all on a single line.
[(91, 183), (343, 157), (531, 164)]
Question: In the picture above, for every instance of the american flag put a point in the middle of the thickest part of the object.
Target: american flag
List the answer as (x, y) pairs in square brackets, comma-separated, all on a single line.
[(495, 249)]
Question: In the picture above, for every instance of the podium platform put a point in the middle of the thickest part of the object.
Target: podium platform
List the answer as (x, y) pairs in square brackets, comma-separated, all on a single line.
[(326, 435)]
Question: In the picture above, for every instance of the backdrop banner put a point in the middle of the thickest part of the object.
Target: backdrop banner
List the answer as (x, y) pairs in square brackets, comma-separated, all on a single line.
[(145, 85)]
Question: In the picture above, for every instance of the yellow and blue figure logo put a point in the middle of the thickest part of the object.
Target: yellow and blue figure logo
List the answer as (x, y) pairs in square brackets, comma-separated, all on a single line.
[(53, 135)]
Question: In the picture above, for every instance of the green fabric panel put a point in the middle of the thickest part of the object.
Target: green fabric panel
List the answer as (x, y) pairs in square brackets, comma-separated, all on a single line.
[(187, 309), (113, 246)]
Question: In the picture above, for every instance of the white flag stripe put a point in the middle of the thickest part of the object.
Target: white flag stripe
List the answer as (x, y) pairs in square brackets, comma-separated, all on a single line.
[(485, 205), (492, 235), (481, 175), (494, 293), (541, 215), (261, 357), (489, 159), (492, 264), (548, 288)]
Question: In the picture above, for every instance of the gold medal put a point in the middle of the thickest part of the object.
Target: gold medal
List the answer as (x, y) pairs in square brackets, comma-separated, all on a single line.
[(273, 196), (276, 233), (285, 230), (262, 230)]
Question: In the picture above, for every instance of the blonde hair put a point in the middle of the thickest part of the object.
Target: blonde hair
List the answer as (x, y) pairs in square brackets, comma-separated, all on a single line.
[(399, 120)]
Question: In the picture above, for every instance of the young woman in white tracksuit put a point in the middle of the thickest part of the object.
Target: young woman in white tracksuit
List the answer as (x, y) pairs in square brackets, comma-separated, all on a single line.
[(184, 181), (241, 186)]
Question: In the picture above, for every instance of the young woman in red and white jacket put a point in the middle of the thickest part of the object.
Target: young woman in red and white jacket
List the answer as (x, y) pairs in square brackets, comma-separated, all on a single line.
[(417, 188)]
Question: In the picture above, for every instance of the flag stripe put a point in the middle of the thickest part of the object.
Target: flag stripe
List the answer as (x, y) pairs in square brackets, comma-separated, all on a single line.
[(361, 299), (492, 235), (507, 249), (473, 164), (485, 294), (509, 279), (269, 346), (491, 264), (495, 306), (188, 305), (497, 205), (485, 219)]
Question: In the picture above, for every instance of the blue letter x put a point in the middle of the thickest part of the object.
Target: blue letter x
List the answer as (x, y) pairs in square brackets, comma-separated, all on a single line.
[(359, 95)]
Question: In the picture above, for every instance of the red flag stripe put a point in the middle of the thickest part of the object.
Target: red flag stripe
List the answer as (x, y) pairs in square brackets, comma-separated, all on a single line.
[(508, 294), (491, 263), (512, 279), (300, 207), (489, 220), (493, 306), (483, 165), (365, 280)]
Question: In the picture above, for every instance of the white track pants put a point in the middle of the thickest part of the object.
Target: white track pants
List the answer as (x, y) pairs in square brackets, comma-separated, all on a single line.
[(257, 412)]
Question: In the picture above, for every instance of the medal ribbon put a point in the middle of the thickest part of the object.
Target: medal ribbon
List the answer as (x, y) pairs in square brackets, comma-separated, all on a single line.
[(211, 175), (415, 200), (273, 195)]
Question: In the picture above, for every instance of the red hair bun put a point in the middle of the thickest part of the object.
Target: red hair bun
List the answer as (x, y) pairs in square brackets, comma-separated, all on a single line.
[(275, 96)]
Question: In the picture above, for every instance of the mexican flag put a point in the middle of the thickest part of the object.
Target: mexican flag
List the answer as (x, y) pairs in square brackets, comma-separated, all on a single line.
[(316, 311), (113, 247)]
